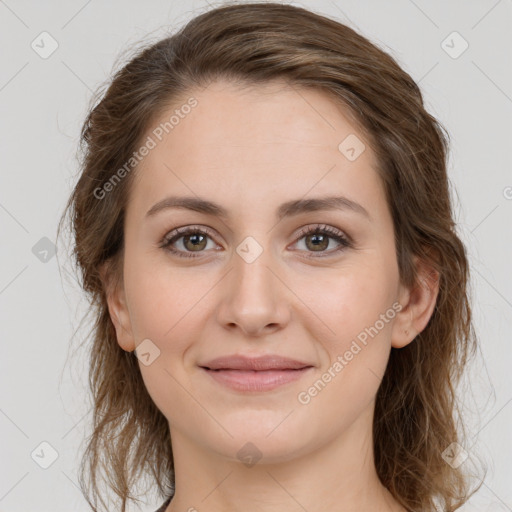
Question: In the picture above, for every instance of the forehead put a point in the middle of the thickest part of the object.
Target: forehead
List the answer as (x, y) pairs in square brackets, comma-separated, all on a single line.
[(272, 113), (253, 142)]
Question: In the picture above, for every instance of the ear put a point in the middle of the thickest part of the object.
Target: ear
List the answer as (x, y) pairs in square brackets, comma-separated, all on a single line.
[(117, 307), (418, 304)]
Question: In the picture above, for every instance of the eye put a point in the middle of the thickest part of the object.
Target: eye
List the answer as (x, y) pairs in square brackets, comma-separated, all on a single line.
[(194, 240), (317, 239)]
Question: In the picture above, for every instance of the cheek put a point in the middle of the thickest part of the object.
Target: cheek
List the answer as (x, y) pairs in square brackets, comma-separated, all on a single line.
[(166, 309), (163, 299), (349, 300), (359, 315), (357, 312)]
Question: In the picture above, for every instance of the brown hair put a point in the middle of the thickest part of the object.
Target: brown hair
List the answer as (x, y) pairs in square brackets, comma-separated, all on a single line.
[(414, 420)]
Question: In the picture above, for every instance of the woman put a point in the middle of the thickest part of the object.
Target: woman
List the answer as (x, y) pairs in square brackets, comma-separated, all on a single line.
[(263, 224)]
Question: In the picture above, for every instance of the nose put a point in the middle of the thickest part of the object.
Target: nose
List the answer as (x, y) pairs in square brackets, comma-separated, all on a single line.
[(255, 299)]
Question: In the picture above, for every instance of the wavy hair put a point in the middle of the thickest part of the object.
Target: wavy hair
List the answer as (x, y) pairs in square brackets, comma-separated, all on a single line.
[(254, 43)]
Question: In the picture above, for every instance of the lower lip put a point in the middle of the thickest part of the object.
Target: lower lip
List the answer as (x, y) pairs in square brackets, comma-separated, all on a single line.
[(249, 380)]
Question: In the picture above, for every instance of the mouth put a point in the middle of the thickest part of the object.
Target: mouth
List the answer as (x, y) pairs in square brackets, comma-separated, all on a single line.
[(256, 380), (247, 372)]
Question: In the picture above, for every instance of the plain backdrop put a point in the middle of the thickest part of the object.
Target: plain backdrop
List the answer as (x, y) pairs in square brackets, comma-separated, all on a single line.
[(466, 79)]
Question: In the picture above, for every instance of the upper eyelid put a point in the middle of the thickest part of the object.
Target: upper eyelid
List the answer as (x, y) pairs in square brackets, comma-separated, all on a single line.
[(184, 230)]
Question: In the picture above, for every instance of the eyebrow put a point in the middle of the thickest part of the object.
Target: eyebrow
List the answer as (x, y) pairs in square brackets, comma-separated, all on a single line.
[(288, 209)]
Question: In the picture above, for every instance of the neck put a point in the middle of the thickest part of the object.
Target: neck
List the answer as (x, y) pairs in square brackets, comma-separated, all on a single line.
[(338, 475)]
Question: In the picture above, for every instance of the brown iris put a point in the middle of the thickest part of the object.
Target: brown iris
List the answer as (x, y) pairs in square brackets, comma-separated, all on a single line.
[(198, 241), (322, 244)]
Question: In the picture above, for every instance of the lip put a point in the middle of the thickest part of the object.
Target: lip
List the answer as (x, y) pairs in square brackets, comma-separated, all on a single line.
[(264, 373), (256, 380), (261, 363)]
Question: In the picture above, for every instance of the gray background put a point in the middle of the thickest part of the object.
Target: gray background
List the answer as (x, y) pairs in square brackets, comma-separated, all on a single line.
[(43, 102)]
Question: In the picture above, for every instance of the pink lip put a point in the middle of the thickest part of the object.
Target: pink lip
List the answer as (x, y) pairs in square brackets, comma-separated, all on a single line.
[(263, 373), (256, 380), (266, 362)]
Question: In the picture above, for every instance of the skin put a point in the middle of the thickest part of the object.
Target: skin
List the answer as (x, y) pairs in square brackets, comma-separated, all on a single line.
[(250, 150)]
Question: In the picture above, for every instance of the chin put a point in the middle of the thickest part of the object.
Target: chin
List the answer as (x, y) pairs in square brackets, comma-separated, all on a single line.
[(271, 438)]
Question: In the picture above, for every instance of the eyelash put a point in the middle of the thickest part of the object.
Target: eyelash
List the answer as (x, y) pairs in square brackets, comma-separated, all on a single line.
[(319, 229)]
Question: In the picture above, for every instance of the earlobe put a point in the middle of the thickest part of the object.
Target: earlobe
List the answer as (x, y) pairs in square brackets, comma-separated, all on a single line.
[(418, 304), (118, 309)]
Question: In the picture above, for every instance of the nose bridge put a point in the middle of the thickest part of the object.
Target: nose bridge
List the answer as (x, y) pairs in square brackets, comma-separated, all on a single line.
[(255, 297), (252, 275)]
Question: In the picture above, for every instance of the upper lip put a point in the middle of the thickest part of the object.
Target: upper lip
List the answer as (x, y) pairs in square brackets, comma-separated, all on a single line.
[(267, 362)]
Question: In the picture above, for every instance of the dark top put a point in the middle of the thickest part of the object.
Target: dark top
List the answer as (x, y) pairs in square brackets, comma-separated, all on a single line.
[(164, 506)]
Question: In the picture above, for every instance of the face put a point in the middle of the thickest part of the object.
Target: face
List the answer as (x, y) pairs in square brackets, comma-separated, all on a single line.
[(318, 285)]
